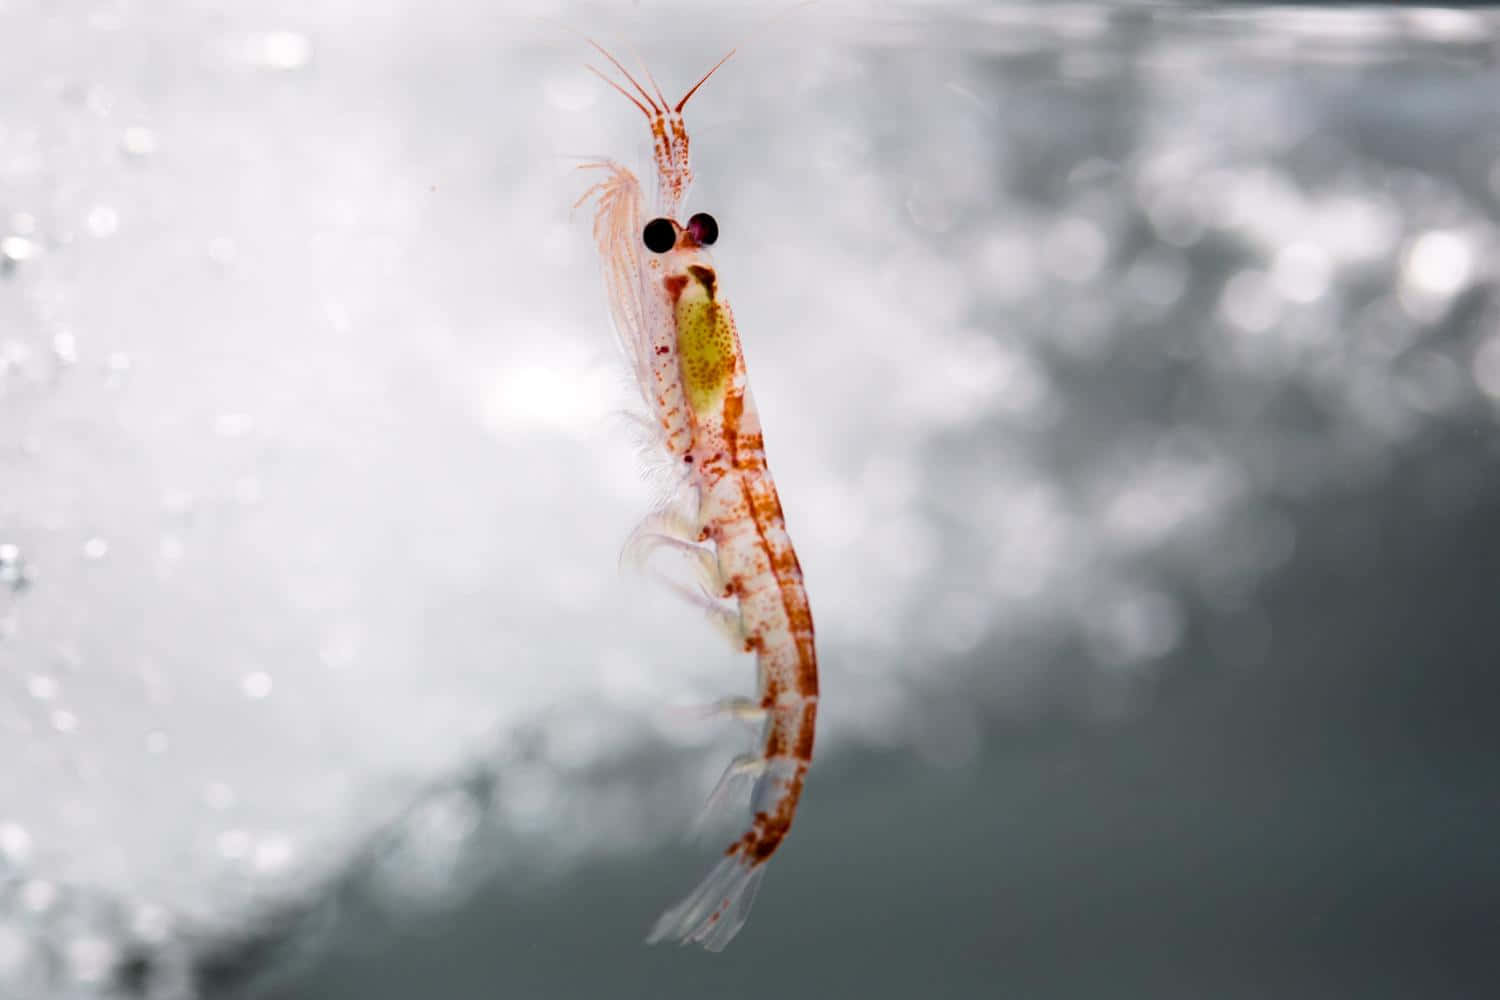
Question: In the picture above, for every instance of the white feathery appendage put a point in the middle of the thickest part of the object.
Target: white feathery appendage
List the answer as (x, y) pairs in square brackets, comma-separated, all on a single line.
[(617, 225), (715, 911)]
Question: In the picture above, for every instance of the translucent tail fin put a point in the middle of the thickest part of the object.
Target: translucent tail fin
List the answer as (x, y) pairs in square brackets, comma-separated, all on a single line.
[(715, 911)]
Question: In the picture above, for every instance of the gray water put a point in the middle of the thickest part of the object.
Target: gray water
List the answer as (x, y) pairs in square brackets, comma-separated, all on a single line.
[(1130, 377)]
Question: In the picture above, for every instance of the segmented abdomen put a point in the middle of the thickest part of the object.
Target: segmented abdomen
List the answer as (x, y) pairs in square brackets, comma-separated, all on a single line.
[(757, 559)]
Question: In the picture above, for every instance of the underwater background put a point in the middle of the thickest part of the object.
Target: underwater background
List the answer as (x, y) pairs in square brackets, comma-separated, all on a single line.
[(1130, 375)]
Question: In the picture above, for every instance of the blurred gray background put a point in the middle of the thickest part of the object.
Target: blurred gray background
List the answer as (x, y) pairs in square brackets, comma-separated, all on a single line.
[(1130, 376)]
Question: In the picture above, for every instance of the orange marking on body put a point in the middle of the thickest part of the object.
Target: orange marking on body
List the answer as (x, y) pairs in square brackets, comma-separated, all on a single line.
[(734, 409), (769, 830), (807, 667), (806, 731), (776, 743)]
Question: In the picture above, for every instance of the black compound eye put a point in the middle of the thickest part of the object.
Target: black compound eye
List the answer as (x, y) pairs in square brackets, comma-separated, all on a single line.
[(660, 235), (704, 229)]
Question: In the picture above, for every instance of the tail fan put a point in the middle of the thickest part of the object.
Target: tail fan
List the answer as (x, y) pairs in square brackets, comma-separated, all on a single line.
[(715, 911)]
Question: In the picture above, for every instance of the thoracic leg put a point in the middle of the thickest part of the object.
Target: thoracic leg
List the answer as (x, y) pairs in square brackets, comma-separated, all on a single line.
[(745, 709), (673, 522), (705, 562), (674, 529), (724, 619), (730, 795)]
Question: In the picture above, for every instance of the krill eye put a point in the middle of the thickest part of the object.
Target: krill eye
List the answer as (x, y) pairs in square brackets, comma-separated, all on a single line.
[(660, 235), (704, 229)]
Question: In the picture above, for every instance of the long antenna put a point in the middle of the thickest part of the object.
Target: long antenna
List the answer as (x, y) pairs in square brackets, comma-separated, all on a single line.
[(701, 82), (633, 82), (766, 24), (621, 89), (646, 68)]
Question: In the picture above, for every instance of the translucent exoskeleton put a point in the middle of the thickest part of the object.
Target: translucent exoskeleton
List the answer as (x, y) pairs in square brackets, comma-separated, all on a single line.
[(677, 331)]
